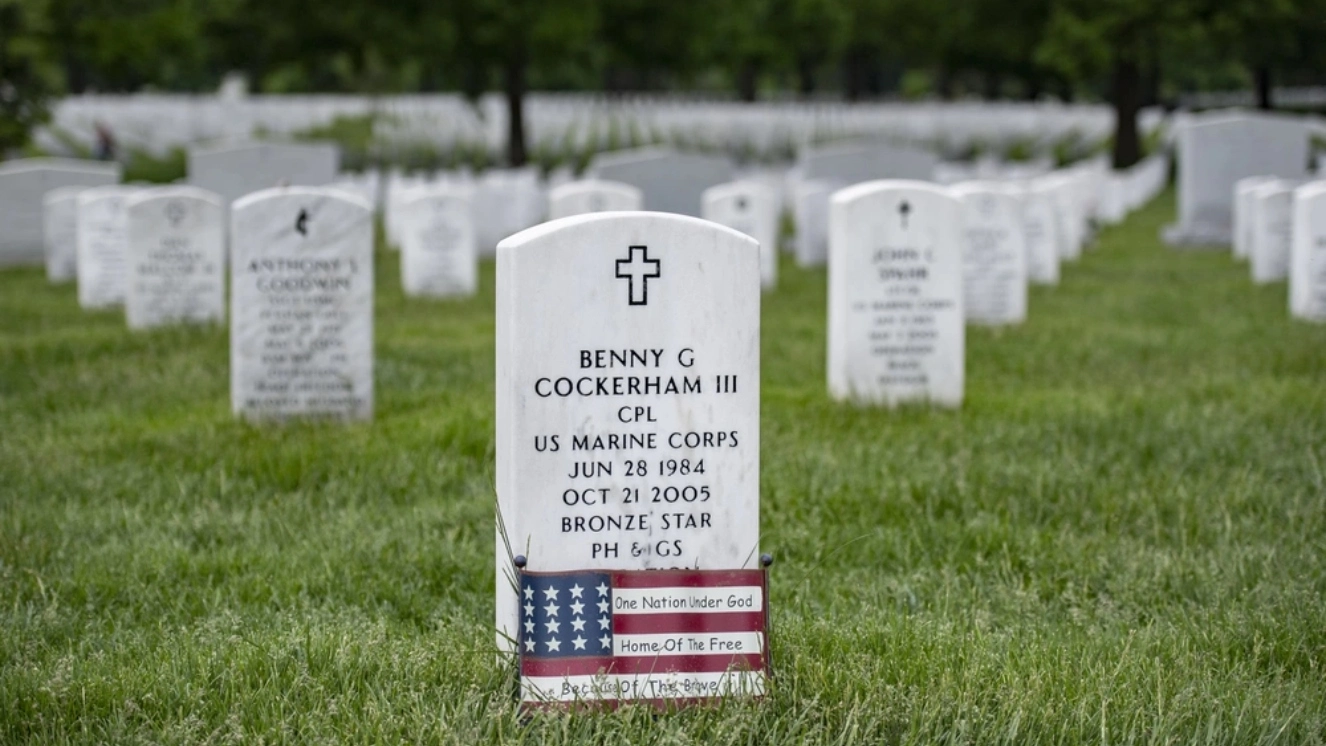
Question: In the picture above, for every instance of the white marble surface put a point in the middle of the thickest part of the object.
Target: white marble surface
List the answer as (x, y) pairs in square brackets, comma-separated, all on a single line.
[(1070, 227), (592, 195), (1272, 220), (1217, 149), (60, 218), (102, 246), (233, 170), (670, 181), (896, 331), (23, 187), (1113, 199), (439, 251), (505, 202), (994, 257), (177, 258), (1243, 229), (628, 348), (399, 190), (301, 334), (1040, 229), (854, 163), (752, 208), (1307, 264)]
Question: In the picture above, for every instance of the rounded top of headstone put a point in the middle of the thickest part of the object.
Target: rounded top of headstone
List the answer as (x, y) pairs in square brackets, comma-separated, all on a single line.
[(301, 191), (175, 192), (869, 189), (593, 185), (1311, 190), (438, 191), (632, 155), (225, 147), (642, 220), (965, 188), (60, 164), (742, 191), (63, 193), (1276, 187), (92, 194), (1247, 182)]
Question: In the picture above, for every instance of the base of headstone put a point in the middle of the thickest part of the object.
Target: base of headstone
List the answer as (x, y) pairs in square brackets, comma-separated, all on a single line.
[(662, 638)]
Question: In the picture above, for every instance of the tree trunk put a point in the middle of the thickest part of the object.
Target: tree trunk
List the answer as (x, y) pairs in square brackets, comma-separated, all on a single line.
[(1262, 77), (1126, 95), (1151, 81), (1064, 89), (618, 80), (854, 74), (806, 77), (514, 82), (944, 83), (75, 74), (1034, 87), (747, 81)]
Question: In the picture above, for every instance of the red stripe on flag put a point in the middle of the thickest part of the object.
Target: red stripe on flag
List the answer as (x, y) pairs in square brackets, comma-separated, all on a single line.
[(642, 664), (650, 624), (687, 578)]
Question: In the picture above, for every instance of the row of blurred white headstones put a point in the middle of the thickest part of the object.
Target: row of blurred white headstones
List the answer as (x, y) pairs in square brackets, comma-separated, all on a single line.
[(1245, 179), (300, 262), (576, 122), (113, 241), (1280, 229)]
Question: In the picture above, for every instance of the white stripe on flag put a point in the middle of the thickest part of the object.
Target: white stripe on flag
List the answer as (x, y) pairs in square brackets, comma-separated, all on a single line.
[(689, 643), (641, 686), (677, 600)]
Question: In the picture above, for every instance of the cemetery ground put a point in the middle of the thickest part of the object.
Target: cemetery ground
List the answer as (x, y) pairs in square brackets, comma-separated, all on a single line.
[(1120, 537)]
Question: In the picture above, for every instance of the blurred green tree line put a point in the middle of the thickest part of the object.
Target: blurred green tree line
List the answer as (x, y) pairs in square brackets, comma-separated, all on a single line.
[(1132, 53)]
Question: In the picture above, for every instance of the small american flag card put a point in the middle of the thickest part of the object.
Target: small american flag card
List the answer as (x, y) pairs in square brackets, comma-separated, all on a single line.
[(659, 636)]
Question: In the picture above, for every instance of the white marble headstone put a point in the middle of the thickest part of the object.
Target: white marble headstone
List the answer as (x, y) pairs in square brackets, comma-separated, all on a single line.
[(60, 209), (1041, 232), (399, 190), (505, 202), (896, 329), (233, 170), (752, 208), (364, 186), (994, 253), (1113, 199), (592, 195), (301, 334), (24, 184), (439, 251), (1217, 149), (1307, 270), (177, 258), (670, 181), (1272, 221), (628, 398), (853, 163), (103, 246), (1070, 224), (1244, 190)]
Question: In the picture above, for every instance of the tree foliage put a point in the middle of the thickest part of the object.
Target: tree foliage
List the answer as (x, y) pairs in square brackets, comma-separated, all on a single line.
[(29, 76), (1129, 52)]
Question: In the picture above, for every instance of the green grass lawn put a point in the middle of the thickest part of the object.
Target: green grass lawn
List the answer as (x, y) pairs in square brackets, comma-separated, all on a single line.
[(1120, 538)]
